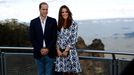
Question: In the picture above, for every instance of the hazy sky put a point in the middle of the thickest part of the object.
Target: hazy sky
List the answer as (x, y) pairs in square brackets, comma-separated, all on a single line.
[(25, 10)]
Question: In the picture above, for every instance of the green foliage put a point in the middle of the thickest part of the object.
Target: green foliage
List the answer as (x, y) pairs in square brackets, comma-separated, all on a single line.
[(13, 33)]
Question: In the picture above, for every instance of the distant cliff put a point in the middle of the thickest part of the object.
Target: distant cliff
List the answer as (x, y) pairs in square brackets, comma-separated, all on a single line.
[(92, 67), (80, 43)]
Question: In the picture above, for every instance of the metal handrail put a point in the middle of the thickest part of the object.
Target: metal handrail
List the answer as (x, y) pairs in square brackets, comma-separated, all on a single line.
[(8, 50), (23, 48), (106, 52), (79, 50)]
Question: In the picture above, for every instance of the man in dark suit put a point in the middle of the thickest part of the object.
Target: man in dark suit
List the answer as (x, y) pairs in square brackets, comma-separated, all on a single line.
[(43, 35)]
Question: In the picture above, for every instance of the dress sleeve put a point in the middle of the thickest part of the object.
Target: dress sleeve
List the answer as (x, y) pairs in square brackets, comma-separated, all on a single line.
[(73, 38)]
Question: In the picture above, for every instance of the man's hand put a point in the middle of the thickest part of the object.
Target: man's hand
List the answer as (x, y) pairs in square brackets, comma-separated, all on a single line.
[(44, 51)]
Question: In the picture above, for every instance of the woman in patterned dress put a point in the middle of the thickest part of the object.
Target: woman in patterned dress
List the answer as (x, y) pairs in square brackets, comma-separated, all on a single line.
[(67, 60)]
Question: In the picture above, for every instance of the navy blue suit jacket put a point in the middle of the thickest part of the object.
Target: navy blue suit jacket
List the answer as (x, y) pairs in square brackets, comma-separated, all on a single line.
[(37, 36)]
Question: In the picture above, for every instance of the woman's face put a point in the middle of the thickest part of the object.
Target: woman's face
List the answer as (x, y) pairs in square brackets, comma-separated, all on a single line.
[(64, 13)]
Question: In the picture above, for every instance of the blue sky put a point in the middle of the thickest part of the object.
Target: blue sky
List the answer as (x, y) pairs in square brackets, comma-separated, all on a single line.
[(25, 10)]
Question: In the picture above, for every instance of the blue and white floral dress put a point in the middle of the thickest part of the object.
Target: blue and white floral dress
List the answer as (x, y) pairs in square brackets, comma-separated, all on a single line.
[(68, 38)]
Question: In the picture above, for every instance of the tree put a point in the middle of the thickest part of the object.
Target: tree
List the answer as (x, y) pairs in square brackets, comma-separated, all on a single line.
[(13, 33)]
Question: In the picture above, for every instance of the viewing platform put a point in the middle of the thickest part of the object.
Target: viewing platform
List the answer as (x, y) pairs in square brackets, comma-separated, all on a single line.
[(20, 61)]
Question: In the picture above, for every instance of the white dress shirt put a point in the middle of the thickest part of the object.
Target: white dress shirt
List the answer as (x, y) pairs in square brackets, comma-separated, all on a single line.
[(43, 23)]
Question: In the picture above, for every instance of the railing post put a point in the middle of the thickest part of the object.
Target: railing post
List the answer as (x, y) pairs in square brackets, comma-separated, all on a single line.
[(117, 66), (114, 65), (2, 63), (1, 68), (5, 63)]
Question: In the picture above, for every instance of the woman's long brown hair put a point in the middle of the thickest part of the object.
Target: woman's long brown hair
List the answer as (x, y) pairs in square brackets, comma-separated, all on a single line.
[(61, 19)]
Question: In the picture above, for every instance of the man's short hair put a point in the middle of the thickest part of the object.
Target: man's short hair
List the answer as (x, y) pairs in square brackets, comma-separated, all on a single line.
[(42, 4)]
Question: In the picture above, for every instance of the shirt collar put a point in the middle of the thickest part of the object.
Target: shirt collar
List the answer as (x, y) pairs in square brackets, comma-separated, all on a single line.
[(44, 20)]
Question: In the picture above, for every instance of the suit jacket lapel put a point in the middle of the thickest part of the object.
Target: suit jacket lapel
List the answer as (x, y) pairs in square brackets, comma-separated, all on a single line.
[(46, 26), (39, 25)]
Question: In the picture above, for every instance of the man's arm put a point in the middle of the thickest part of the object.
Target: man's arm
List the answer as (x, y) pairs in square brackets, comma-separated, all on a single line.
[(54, 35)]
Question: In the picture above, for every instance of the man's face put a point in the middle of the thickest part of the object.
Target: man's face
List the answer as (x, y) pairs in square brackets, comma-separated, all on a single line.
[(43, 10)]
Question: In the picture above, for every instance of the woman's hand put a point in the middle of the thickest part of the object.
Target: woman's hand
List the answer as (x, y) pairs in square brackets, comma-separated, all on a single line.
[(59, 53), (65, 53)]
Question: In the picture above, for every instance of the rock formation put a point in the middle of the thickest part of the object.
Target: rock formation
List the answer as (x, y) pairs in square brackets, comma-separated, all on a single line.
[(91, 67)]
